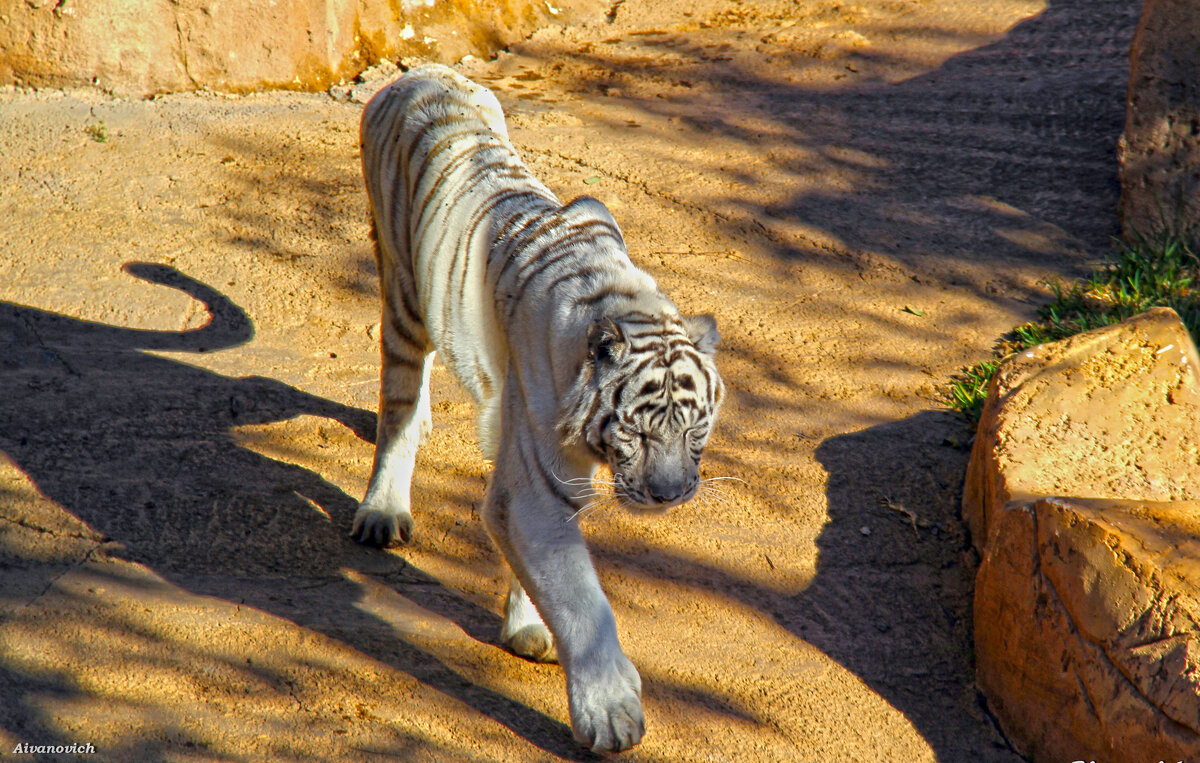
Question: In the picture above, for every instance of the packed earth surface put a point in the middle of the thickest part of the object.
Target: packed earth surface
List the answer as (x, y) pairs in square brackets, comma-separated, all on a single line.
[(865, 193)]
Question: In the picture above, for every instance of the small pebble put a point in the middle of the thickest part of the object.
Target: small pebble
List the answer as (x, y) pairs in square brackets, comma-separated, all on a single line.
[(865, 530)]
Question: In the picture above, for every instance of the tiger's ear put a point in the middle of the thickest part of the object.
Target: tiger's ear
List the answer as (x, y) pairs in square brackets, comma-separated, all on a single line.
[(702, 330), (606, 340)]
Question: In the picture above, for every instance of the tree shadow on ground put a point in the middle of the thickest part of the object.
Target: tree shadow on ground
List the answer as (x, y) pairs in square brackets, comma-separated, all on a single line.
[(893, 595), (139, 448), (1001, 155)]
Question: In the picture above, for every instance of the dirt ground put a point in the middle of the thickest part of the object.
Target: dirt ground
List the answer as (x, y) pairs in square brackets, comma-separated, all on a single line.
[(866, 193)]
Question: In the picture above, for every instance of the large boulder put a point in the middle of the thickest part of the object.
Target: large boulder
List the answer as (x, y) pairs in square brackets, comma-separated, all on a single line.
[(1082, 498), (143, 47), (1160, 150)]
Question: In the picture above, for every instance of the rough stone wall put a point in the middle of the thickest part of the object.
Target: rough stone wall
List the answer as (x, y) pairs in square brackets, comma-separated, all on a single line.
[(1160, 150), (144, 47)]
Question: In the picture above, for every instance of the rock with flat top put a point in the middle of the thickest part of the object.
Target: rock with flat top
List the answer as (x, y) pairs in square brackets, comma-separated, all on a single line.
[(1083, 499)]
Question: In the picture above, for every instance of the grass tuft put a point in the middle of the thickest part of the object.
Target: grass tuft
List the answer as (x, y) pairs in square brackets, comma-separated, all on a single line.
[(98, 132), (1152, 270)]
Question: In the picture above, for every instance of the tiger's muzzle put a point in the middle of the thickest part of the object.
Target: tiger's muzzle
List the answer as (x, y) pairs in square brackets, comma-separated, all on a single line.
[(666, 480)]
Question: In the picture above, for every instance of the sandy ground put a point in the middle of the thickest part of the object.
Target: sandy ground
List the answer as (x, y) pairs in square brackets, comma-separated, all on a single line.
[(188, 374)]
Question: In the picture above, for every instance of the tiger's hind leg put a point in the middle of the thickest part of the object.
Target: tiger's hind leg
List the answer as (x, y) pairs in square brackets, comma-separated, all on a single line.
[(523, 630), (385, 516)]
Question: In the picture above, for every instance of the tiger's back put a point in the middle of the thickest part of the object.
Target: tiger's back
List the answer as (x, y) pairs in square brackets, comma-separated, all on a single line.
[(441, 176)]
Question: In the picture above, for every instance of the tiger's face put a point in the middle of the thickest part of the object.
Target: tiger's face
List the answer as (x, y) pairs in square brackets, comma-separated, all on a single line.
[(663, 391)]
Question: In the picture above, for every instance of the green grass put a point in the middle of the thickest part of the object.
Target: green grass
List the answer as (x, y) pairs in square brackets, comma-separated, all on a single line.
[(1151, 270), (98, 132)]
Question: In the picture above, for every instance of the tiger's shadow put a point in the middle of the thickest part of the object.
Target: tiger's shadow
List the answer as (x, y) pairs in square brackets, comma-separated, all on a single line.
[(140, 448)]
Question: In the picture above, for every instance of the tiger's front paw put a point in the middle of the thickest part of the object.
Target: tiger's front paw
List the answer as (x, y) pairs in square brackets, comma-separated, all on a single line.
[(606, 706), (373, 527)]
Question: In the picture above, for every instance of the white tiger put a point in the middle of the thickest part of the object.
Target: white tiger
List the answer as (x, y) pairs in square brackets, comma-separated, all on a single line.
[(573, 355)]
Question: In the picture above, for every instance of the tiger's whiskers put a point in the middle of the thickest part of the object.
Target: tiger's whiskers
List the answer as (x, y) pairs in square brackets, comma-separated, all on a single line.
[(602, 502), (709, 493), (712, 496), (582, 480), (589, 488)]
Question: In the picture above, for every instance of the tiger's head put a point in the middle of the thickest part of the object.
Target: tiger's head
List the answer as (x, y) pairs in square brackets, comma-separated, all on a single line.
[(654, 394)]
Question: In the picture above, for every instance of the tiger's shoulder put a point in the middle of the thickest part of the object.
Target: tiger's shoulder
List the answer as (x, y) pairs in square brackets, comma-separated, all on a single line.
[(432, 94)]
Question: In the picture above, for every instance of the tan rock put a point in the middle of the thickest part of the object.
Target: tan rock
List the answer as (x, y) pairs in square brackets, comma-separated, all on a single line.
[(1086, 628), (1108, 413), (1160, 150), (1087, 607), (142, 47)]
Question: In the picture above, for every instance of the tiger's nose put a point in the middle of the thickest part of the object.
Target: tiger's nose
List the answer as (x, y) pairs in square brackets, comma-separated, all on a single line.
[(667, 490)]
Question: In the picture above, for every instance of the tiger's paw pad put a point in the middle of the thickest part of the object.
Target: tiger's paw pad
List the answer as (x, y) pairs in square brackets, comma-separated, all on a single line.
[(380, 528), (533, 642)]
